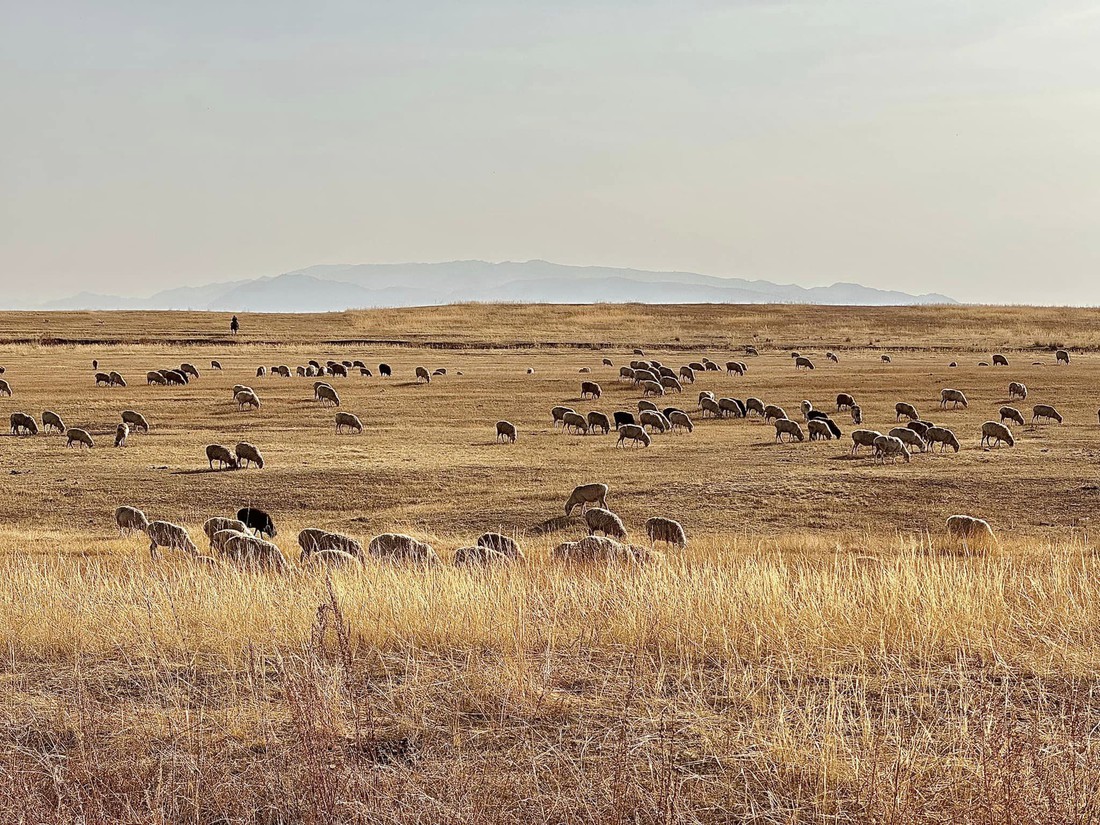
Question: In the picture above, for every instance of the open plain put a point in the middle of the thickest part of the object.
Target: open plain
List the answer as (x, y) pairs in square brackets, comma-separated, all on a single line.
[(820, 651)]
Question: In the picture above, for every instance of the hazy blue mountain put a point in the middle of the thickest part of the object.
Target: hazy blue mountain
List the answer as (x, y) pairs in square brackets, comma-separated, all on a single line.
[(334, 287)]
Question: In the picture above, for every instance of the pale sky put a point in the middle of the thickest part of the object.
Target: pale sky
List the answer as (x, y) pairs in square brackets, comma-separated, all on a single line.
[(931, 146)]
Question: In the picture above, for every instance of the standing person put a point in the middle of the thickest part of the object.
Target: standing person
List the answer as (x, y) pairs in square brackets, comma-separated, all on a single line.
[(234, 325)]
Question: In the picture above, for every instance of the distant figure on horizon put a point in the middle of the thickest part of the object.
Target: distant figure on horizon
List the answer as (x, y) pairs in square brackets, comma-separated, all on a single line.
[(95, 364), (234, 325)]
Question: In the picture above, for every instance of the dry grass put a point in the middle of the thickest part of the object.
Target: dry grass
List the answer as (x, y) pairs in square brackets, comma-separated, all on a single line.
[(816, 654)]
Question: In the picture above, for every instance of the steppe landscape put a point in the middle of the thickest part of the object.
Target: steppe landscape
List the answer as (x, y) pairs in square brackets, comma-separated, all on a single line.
[(820, 651)]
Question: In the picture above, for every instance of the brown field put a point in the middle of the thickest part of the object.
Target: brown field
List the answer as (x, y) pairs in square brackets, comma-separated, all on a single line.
[(819, 653)]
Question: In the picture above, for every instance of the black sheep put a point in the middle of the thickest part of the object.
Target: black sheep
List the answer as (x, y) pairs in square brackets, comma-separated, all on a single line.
[(623, 418), (257, 520)]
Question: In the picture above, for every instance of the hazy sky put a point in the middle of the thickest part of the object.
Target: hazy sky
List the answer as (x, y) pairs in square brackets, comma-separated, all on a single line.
[(926, 146)]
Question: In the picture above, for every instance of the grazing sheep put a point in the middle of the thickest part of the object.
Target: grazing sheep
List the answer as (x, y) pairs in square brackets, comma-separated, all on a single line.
[(810, 415), (627, 373), (735, 368), (857, 415), (174, 377), (79, 437), (832, 357), (732, 407), (384, 370), (806, 407), (136, 420), (773, 411), (993, 431), (751, 351), (130, 520), (705, 394), (215, 365), (329, 558), (328, 395), (1017, 390), (248, 454), (247, 399), (586, 494), (709, 405), (220, 454), (971, 530), (788, 427), (217, 524), (581, 370), (477, 555), (644, 405), (122, 432), (695, 366), (310, 541), (598, 549), (333, 541), (652, 388), (366, 372), (253, 552), (155, 378), (953, 364), (117, 380), (258, 520), (886, 359), (710, 365), (999, 360), (301, 372), (598, 421), (396, 547), (819, 429), (189, 369), (506, 546), (688, 374), (102, 378), (169, 536), (1045, 411), (422, 374), (953, 397), (666, 530), (641, 376), (796, 354), (241, 388), (633, 433), (622, 418), (920, 427), (983, 364), (5, 388), (638, 352), (909, 437), (575, 420), (52, 421), (679, 418), (942, 436), (590, 388), (346, 419), (754, 405), (1012, 414), (802, 362), (655, 420), (604, 521), (607, 362), (908, 410), (23, 423), (863, 438), (317, 389), (1061, 357), (844, 402), (887, 446), (558, 414), (336, 370)]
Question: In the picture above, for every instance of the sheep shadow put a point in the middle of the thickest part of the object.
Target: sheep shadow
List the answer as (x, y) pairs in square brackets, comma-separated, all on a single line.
[(199, 471), (555, 525)]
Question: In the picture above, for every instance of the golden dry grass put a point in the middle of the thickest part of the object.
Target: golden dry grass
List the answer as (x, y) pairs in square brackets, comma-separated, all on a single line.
[(819, 653)]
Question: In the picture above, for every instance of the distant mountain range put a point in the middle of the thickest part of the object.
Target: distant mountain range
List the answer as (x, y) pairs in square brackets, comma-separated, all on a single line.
[(328, 288)]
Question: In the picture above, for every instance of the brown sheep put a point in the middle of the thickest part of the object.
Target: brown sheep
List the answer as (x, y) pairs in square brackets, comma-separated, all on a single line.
[(352, 422), (598, 421), (908, 410), (604, 521), (506, 431), (136, 420), (863, 438), (1061, 357), (942, 436), (248, 454), (598, 549), (590, 388), (788, 427), (585, 495), (122, 432), (633, 433), (396, 547), (130, 520), (79, 437), (220, 454), (993, 431), (666, 530), (1012, 414), (953, 397), (422, 374), (1045, 411), (170, 536)]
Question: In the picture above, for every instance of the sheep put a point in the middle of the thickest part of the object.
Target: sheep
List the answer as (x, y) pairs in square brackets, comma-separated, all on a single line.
[(367, 373), (909, 437), (971, 530), (633, 433), (732, 406), (258, 521), (217, 524), (310, 541), (921, 428), (396, 547), (23, 422), (663, 529), (102, 378), (79, 437), (773, 411), (598, 549), (709, 405), (655, 420), (908, 410), (695, 366), (622, 418), (384, 370), (337, 370), (863, 438), (844, 401), (954, 397), (1017, 390), (607, 362), (953, 364), (5, 388), (688, 374), (999, 360), (330, 558), (317, 389), (468, 556), (346, 419), (942, 436), (598, 421), (585, 495), (796, 354), (1045, 411), (220, 454), (422, 374), (644, 405), (1061, 357), (583, 370), (328, 395), (248, 454), (341, 543), (1012, 414), (857, 415), (189, 369), (751, 351), (819, 429), (886, 359), (575, 420), (174, 377), (136, 420), (130, 520), (117, 380), (802, 362), (170, 536), (122, 432), (155, 378), (806, 407), (754, 405), (215, 365), (604, 521), (812, 414), (627, 373), (590, 388), (832, 357), (735, 368), (499, 543), (887, 446), (993, 431), (641, 376), (983, 363), (830, 425), (241, 388), (300, 372), (52, 421), (788, 427), (679, 418), (254, 552), (247, 399), (638, 352), (652, 388)]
